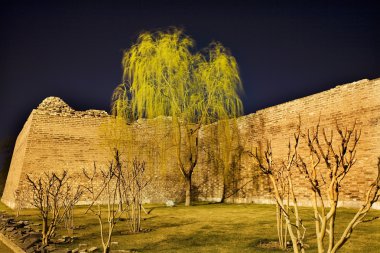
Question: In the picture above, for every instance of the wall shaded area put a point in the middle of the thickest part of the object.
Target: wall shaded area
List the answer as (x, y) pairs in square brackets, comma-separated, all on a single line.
[(6, 150), (56, 137)]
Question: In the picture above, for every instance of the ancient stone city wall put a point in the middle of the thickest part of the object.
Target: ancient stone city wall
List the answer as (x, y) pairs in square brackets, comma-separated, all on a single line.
[(55, 137)]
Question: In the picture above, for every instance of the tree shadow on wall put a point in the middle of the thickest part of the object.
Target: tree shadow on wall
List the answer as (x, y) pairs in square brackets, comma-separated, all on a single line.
[(235, 180), (200, 190), (240, 183)]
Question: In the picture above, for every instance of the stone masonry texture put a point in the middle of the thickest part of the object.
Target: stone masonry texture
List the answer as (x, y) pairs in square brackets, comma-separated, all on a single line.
[(55, 137)]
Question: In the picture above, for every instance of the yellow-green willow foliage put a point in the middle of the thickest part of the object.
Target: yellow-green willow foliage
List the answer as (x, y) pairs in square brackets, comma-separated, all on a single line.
[(217, 83), (162, 76)]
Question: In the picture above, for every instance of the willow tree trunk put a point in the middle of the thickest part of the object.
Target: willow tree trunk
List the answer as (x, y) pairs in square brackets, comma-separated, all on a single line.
[(224, 191), (187, 167)]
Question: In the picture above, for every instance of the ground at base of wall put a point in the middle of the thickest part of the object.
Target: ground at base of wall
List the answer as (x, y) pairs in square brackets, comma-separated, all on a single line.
[(3, 247), (19, 234), (206, 227)]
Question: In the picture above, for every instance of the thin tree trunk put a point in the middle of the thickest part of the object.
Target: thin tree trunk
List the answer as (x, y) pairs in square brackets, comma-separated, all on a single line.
[(45, 239), (188, 190), (279, 227)]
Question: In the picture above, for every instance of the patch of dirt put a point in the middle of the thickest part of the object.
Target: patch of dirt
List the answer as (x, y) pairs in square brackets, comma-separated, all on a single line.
[(267, 244)]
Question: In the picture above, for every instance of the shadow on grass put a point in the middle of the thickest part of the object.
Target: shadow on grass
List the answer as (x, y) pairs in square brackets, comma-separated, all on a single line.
[(215, 242), (175, 224), (185, 241)]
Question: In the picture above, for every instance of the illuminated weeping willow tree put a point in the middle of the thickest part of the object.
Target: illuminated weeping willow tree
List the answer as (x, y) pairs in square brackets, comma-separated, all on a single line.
[(161, 76)]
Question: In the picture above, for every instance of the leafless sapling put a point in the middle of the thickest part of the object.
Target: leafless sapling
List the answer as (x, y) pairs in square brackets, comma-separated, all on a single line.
[(330, 160), (286, 202), (104, 186)]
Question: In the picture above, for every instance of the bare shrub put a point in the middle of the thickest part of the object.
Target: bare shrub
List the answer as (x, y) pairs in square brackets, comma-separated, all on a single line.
[(68, 217), (20, 201), (133, 183), (54, 197), (121, 191)]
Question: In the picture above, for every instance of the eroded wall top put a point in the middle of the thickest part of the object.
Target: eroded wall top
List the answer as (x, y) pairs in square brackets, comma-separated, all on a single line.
[(56, 106)]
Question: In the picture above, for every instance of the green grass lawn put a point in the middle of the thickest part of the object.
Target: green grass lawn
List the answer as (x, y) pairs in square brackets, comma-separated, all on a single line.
[(213, 228)]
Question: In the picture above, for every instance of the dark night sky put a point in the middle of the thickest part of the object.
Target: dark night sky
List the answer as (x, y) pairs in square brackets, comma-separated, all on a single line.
[(285, 50)]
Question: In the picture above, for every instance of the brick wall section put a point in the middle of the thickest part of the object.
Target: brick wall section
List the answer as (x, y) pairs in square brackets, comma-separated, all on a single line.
[(344, 104), (56, 141)]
